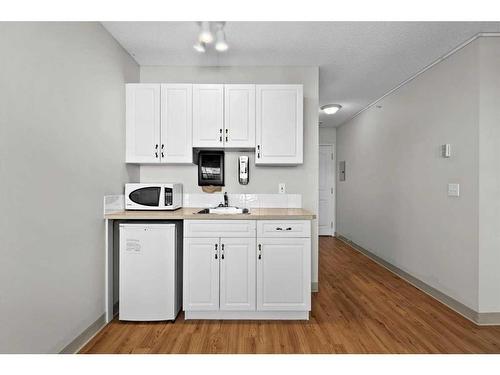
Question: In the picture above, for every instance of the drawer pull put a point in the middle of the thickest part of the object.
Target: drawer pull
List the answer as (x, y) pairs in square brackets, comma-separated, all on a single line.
[(278, 228), (289, 228)]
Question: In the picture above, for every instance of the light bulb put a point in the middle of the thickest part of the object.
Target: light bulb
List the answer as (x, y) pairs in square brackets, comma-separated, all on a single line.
[(206, 35), (221, 44), (200, 47)]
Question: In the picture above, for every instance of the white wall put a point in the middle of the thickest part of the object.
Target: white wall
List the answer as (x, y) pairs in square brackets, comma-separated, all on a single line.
[(61, 149), (394, 201), (489, 175), (302, 179)]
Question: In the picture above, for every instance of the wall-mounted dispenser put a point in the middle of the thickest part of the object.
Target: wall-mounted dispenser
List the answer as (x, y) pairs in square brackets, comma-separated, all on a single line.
[(243, 170), (211, 168)]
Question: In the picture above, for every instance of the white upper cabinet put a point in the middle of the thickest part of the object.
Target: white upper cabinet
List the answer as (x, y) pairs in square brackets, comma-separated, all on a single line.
[(142, 123), (239, 116), (176, 123), (159, 120), (165, 121), (279, 124), (208, 115)]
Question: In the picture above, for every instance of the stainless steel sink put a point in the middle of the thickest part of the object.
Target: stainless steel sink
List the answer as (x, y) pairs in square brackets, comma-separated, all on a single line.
[(224, 210)]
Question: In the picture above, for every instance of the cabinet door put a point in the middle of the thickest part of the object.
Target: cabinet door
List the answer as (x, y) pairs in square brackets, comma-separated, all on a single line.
[(201, 274), (283, 274), (279, 124), (142, 123), (237, 274), (176, 123), (208, 115), (239, 116)]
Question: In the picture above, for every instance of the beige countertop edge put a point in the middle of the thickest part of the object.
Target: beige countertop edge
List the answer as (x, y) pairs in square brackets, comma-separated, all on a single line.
[(190, 213)]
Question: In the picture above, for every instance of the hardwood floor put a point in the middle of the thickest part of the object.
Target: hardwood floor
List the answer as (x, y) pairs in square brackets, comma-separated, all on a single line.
[(361, 308)]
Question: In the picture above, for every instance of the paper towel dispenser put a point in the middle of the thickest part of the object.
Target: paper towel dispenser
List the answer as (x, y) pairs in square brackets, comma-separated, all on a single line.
[(211, 168)]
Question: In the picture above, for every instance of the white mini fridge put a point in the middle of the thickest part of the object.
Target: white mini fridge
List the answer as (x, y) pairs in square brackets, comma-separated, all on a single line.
[(150, 274)]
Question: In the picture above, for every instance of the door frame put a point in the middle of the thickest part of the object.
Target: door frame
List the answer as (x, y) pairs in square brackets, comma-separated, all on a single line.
[(334, 197)]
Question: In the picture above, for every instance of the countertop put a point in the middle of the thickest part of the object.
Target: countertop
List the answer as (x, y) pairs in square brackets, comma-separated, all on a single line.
[(189, 213)]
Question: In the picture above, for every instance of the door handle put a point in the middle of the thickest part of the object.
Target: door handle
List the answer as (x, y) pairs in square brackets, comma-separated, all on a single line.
[(156, 150), (258, 151), (162, 147), (220, 136), (222, 248), (216, 257), (227, 134), (260, 251)]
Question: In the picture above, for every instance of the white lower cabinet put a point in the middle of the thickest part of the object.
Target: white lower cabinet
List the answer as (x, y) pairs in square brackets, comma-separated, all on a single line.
[(201, 274), (284, 274), (237, 274), (247, 277)]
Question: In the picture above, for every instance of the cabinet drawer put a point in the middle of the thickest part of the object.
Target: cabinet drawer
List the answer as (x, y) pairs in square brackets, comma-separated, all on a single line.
[(284, 228), (219, 228)]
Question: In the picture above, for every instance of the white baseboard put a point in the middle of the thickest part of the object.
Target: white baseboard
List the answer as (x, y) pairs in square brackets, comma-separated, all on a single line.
[(83, 338)]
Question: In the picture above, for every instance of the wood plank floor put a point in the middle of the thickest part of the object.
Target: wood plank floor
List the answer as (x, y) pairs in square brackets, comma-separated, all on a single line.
[(361, 308)]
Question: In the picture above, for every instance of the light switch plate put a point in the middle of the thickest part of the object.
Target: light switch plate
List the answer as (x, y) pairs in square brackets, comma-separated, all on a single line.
[(453, 190), (446, 150), (282, 188)]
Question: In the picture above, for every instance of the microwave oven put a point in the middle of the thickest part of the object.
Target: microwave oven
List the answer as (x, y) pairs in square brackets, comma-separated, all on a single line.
[(148, 196)]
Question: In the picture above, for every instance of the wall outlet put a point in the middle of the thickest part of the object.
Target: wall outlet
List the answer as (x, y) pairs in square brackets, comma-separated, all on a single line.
[(282, 188)]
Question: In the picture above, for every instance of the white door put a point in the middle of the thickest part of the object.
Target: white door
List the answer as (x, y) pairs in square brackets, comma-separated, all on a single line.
[(147, 272), (142, 123), (208, 115), (283, 274), (201, 274), (176, 123), (237, 274), (326, 190), (239, 116), (279, 124)]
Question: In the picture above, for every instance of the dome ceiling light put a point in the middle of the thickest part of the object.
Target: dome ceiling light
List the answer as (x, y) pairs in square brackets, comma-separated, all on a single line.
[(330, 109)]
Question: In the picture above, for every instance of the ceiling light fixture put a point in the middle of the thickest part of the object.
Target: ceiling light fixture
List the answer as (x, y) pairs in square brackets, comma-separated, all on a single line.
[(330, 109), (221, 44), (200, 47), (206, 35)]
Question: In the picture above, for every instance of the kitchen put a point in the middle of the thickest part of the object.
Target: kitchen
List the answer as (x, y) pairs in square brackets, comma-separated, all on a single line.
[(178, 168)]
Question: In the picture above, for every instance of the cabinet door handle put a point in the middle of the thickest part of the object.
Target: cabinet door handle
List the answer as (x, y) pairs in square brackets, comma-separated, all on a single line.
[(216, 256), (162, 148), (156, 150), (222, 248), (258, 151), (260, 251), (220, 136), (227, 135)]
